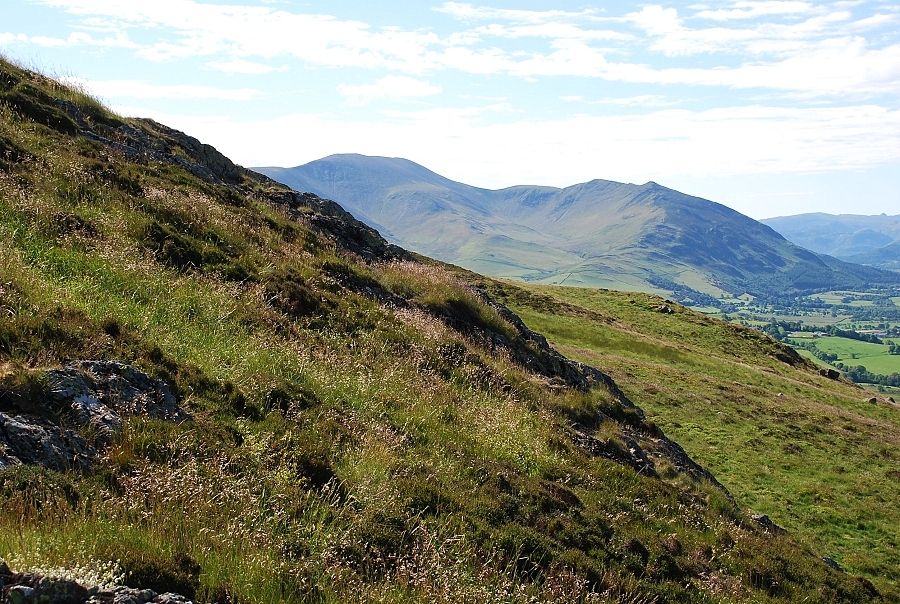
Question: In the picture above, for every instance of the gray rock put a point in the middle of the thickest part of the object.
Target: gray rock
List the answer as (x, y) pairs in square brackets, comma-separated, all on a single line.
[(33, 440), (100, 393), (170, 598), (91, 394), (20, 594), (831, 374), (766, 523), (832, 563)]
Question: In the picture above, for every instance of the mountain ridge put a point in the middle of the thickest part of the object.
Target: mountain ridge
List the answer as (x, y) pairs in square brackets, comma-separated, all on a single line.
[(598, 232), (866, 239)]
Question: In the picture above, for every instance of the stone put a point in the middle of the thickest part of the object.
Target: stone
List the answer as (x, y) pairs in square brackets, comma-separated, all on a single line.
[(170, 598), (37, 441), (90, 394), (872, 400), (766, 523), (20, 594), (831, 374), (832, 563), (665, 309)]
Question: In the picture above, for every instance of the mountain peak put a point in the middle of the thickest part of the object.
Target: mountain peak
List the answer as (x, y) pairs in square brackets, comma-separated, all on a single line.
[(600, 232)]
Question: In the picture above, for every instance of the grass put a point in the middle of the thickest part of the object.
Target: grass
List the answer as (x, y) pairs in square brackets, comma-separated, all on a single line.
[(357, 431), (874, 357), (807, 451)]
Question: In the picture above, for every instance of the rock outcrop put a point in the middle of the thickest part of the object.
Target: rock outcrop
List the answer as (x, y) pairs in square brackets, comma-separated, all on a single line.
[(37, 588), (81, 409)]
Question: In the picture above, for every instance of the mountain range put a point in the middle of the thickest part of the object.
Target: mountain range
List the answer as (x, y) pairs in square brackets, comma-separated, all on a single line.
[(599, 233), (873, 240)]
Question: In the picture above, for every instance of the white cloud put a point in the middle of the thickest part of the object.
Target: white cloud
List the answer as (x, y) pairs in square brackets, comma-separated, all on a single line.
[(388, 87), (241, 66), (463, 10), (118, 40), (754, 9), (813, 56), (138, 89)]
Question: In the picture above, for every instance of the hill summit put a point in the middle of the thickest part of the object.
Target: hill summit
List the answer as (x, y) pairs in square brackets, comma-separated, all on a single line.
[(598, 233)]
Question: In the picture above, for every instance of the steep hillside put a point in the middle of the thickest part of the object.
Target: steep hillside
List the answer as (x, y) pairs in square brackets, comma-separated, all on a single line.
[(872, 240), (818, 455), (598, 233), (215, 386)]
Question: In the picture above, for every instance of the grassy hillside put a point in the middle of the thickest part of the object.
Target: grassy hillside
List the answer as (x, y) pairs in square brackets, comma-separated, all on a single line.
[(356, 425), (810, 452)]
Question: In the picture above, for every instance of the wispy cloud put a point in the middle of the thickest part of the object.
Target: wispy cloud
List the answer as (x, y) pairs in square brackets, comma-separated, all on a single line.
[(388, 87), (244, 67), (755, 8), (792, 46), (139, 89)]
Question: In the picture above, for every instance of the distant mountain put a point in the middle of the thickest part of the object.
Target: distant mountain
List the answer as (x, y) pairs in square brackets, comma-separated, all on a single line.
[(873, 240), (599, 233)]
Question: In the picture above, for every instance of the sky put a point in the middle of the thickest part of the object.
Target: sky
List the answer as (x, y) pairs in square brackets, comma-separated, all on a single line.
[(770, 107)]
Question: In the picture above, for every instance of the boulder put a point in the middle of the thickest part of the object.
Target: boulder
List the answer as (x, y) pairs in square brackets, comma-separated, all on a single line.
[(831, 374), (33, 440), (766, 523), (84, 394), (99, 393)]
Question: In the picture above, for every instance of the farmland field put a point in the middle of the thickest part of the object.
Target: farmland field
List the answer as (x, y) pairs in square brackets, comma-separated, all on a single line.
[(874, 357)]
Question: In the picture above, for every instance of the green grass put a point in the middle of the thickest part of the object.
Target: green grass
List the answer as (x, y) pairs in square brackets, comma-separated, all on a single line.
[(358, 432), (807, 451), (874, 357)]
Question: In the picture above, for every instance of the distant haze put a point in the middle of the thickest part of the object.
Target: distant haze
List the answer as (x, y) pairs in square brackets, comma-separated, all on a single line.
[(873, 240)]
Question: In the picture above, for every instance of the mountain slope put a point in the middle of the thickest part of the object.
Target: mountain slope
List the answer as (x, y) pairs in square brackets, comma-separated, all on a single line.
[(811, 452), (213, 385), (872, 240), (595, 233)]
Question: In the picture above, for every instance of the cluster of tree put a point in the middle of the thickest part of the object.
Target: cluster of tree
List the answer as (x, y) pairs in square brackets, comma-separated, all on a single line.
[(828, 357), (853, 335), (893, 348), (861, 375)]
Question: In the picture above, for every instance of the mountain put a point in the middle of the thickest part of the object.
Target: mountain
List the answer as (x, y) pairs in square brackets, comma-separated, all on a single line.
[(216, 386), (598, 233), (872, 240)]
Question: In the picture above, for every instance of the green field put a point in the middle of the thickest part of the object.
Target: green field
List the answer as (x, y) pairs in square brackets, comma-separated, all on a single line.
[(896, 300), (836, 297), (808, 451), (874, 357)]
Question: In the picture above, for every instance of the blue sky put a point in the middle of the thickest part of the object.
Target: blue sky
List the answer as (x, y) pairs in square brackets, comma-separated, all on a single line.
[(771, 107)]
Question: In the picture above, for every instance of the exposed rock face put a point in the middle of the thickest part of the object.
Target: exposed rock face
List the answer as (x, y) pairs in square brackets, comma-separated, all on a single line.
[(96, 395), (33, 588), (766, 523), (100, 393), (32, 440)]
